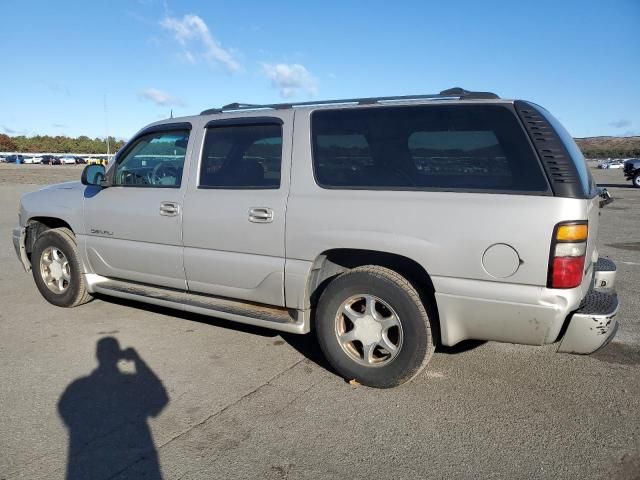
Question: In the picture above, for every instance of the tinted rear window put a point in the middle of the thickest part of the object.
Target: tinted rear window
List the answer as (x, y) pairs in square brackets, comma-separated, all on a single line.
[(446, 147), (242, 156)]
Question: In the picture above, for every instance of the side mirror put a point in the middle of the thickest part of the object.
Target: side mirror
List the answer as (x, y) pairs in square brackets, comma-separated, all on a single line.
[(93, 174)]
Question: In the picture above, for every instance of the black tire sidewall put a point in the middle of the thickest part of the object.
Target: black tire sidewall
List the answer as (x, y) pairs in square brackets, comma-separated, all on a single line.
[(417, 339), (54, 238)]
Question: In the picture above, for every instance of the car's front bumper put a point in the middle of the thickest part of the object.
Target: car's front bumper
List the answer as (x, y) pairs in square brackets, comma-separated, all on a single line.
[(595, 323), (19, 235)]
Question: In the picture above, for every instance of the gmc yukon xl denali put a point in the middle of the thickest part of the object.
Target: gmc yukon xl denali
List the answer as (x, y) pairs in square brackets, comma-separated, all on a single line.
[(385, 225)]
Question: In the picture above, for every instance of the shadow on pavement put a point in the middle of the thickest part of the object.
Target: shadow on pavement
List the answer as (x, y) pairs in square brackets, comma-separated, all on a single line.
[(106, 415), (461, 347), (193, 317), (306, 345)]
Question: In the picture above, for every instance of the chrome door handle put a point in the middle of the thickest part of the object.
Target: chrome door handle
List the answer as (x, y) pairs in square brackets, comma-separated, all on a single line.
[(261, 215), (169, 209)]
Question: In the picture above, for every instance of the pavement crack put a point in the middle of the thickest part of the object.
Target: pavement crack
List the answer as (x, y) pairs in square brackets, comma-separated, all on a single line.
[(227, 407)]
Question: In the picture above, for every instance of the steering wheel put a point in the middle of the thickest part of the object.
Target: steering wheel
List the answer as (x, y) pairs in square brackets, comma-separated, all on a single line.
[(163, 170)]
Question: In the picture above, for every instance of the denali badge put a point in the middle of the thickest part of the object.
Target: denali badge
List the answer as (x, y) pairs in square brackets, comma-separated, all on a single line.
[(101, 232)]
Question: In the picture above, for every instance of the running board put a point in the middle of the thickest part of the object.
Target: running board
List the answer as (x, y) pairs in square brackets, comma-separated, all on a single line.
[(276, 318)]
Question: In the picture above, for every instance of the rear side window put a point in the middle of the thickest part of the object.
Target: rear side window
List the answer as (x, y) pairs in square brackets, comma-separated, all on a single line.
[(243, 156), (436, 147)]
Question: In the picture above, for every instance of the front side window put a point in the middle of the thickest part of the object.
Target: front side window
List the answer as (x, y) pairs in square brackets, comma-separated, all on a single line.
[(154, 160), (435, 147), (242, 156)]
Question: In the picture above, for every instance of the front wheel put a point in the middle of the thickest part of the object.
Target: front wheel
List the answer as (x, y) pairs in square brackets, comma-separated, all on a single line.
[(636, 180), (373, 327), (57, 268)]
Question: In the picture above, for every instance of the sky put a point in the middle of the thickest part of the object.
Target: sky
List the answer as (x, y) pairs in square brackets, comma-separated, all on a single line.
[(92, 67)]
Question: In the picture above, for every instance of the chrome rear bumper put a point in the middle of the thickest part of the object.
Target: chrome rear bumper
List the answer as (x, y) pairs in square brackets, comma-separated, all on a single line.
[(595, 323)]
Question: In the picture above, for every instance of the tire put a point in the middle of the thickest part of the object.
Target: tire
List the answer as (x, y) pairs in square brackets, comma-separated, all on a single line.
[(395, 301), (57, 270), (636, 180)]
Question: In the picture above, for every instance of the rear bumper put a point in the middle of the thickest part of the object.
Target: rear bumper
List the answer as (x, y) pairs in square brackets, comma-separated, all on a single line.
[(595, 323)]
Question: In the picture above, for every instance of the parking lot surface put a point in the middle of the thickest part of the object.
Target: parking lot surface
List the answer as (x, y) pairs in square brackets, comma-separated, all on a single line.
[(212, 399)]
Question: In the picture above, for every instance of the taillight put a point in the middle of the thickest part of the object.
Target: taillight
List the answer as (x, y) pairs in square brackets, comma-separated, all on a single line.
[(568, 250)]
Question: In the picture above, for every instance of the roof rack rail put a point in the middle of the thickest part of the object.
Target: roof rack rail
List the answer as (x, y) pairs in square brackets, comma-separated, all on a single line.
[(456, 92)]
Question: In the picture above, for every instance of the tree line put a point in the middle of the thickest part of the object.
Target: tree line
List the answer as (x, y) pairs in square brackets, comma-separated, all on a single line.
[(609, 147), (58, 144), (595, 152), (614, 147)]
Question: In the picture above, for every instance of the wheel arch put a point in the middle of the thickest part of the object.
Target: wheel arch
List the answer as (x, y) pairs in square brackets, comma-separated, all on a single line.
[(38, 224), (331, 263)]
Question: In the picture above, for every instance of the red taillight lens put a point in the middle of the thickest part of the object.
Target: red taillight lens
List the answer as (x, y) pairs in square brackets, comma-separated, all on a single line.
[(567, 272), (568, 250)]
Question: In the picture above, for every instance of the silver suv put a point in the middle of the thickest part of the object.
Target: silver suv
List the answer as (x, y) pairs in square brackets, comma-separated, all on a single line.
[(386, 225)]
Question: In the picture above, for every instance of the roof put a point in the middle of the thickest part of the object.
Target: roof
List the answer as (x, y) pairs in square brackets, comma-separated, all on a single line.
[(455, 93)]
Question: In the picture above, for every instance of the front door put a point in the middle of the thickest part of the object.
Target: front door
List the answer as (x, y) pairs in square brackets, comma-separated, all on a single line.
[(234, 215), (134, 227)]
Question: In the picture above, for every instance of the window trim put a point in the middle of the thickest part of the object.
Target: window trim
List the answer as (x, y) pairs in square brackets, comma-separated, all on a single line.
[(163, 127), (546, 193), (240, 122)]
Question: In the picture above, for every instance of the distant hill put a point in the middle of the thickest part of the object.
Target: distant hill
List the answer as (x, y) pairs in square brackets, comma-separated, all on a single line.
[(614, 147)]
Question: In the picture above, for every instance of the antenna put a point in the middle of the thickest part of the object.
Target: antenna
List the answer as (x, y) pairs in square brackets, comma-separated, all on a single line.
[(171, 113)]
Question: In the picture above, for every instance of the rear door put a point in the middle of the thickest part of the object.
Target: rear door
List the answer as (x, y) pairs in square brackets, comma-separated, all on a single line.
[(234, 209)]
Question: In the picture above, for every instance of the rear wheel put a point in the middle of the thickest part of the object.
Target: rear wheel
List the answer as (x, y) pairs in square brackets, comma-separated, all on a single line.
[(57, 269), (373, 327), (636, 180)]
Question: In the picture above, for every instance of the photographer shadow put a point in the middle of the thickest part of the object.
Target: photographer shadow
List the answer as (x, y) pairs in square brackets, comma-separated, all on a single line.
[(106, 415)]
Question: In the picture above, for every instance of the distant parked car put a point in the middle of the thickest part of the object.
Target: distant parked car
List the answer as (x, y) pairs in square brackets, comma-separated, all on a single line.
[(616, 164), (80, 160), (14, 159), (632, 171), (68, 160), (47, 160), (99, 161), (28, 159)]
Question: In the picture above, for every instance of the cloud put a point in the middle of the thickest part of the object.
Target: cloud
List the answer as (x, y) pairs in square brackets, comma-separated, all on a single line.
[(160, 98), (290, 79), (620, 123), (192, 33), (59, 125)]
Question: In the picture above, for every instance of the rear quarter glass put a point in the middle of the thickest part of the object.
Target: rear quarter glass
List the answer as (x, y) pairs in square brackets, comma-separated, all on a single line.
[(586, 180), (563, 161), (473, 148)]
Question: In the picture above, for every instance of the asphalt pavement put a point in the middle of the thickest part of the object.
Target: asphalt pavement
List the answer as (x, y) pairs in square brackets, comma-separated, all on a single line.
[(212, 399)]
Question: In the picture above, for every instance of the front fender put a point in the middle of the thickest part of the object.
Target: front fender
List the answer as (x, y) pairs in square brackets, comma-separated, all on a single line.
[(63, 201)]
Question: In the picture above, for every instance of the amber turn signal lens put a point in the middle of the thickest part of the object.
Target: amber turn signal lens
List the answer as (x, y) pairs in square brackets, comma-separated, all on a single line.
[(572, 233)]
